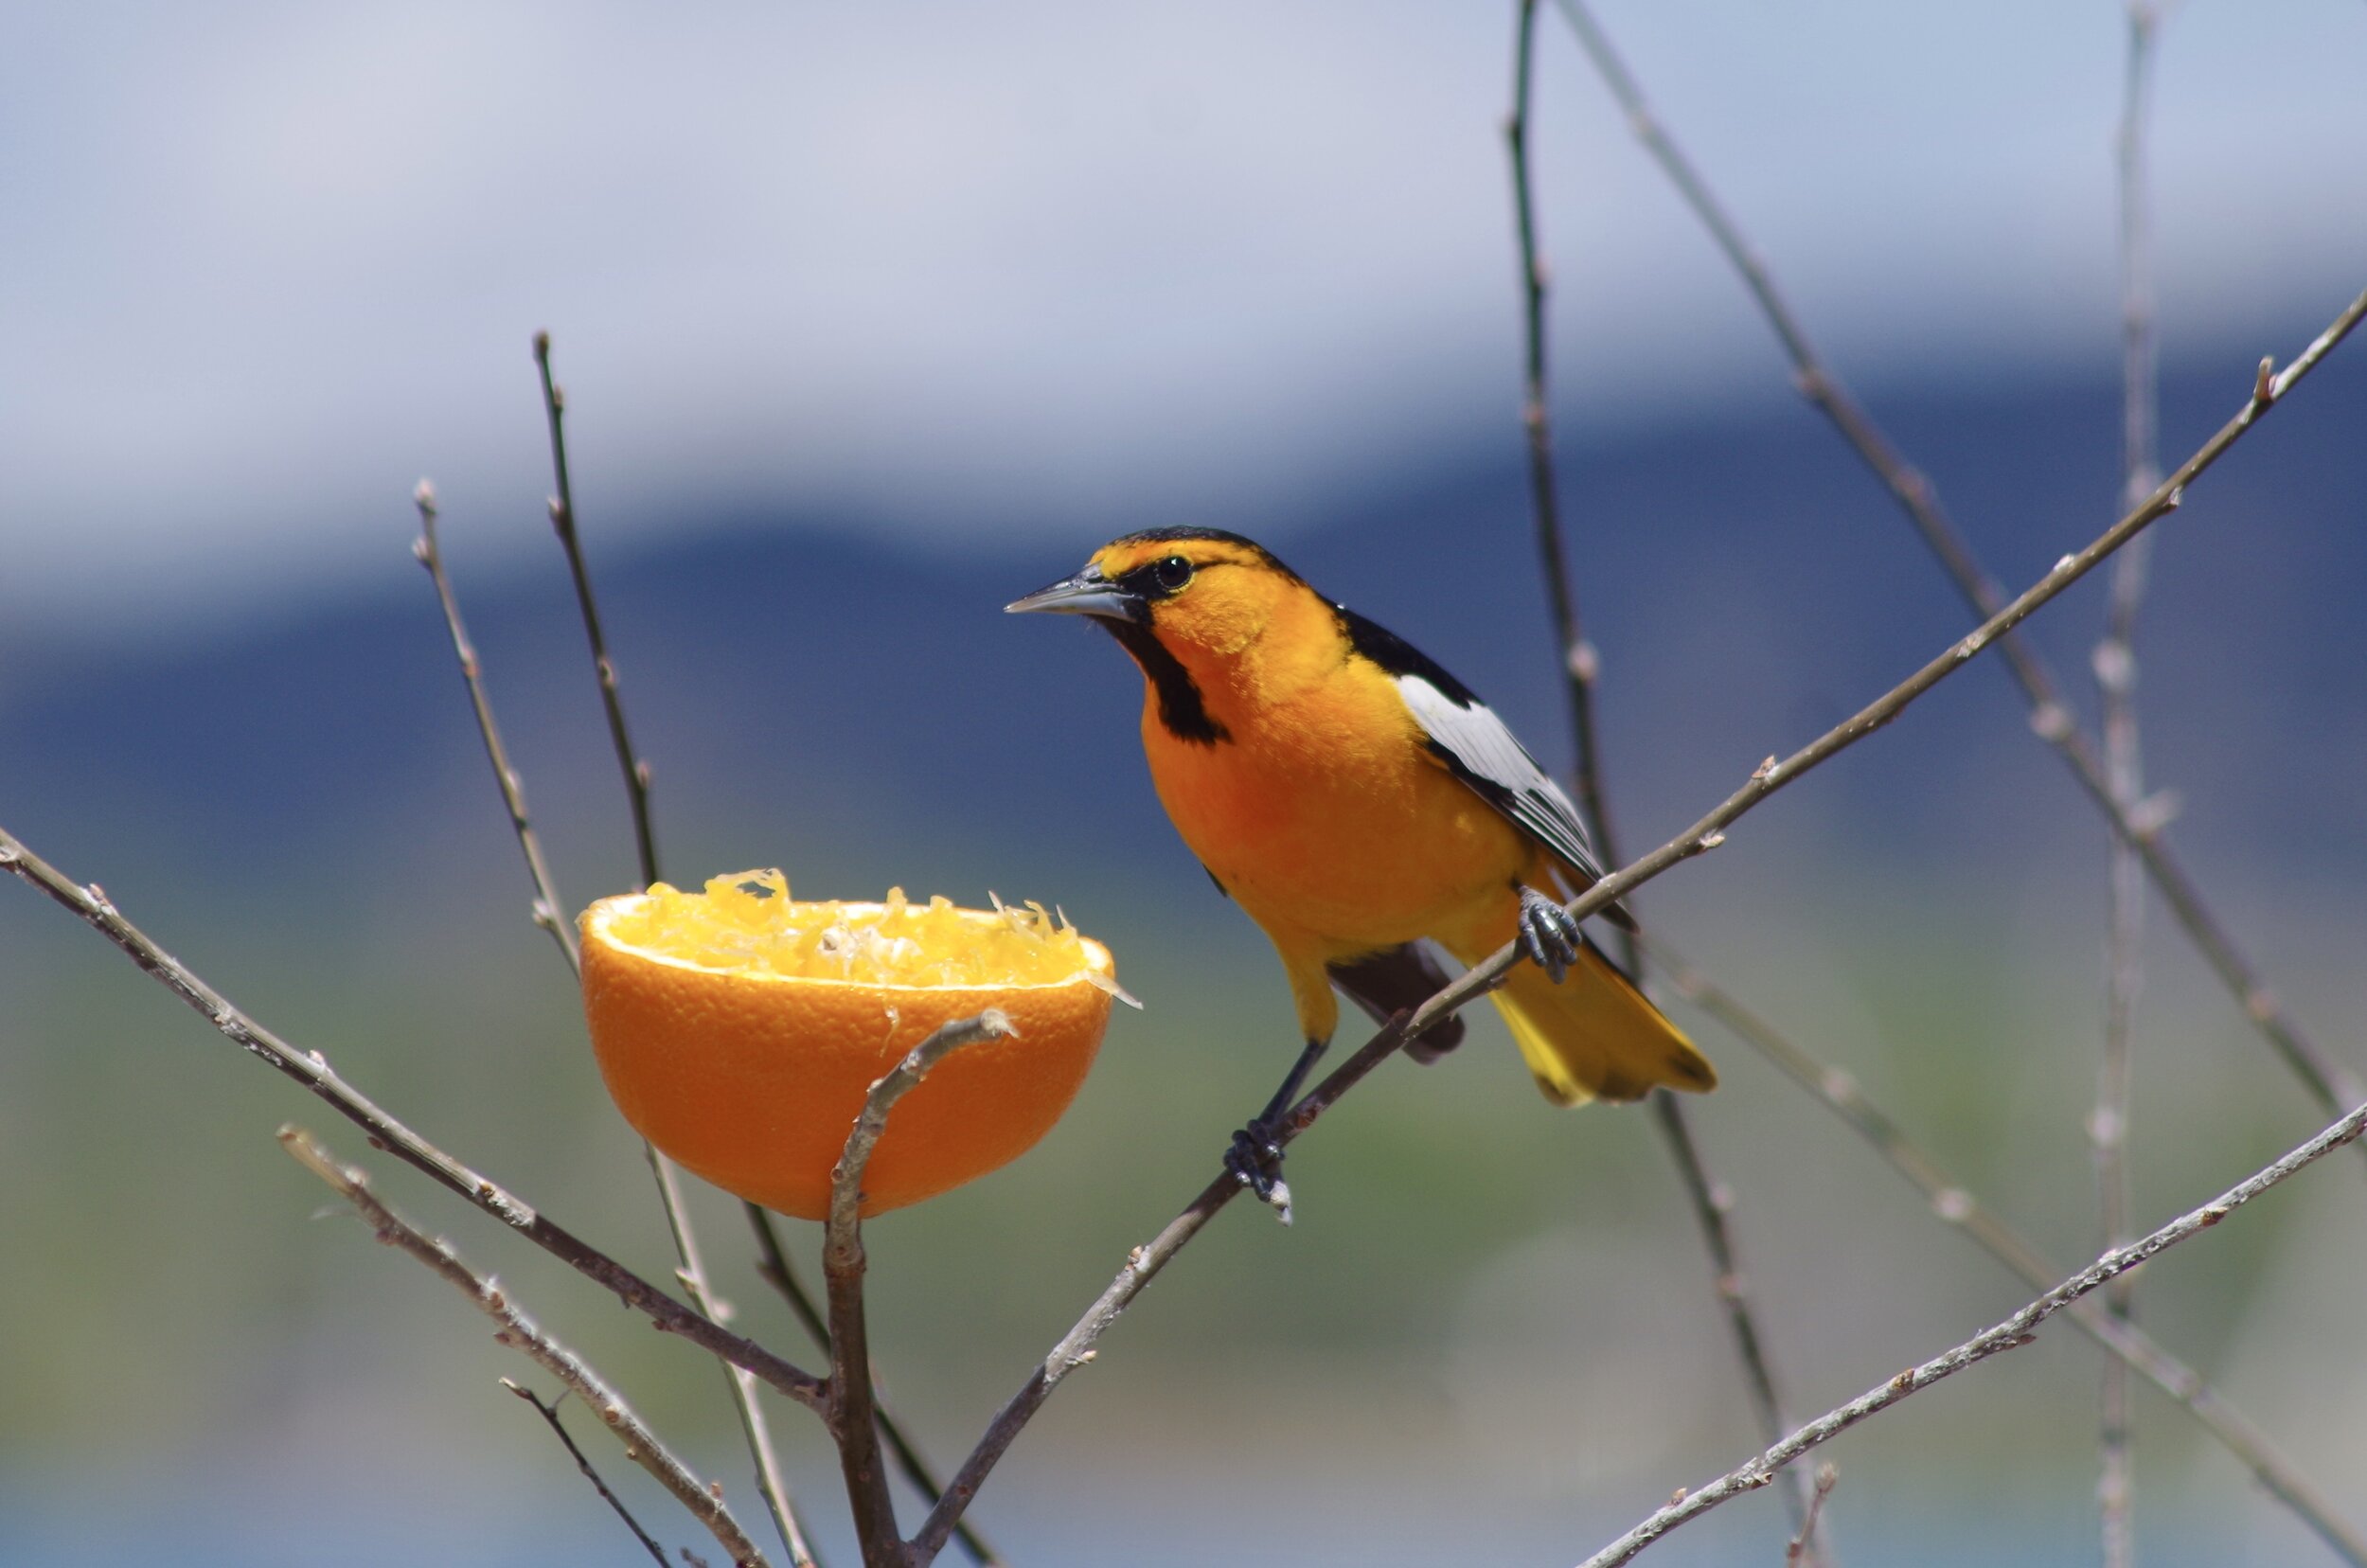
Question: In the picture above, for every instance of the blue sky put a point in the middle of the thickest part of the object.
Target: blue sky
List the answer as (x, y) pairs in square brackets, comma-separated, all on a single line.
[(263, 265)]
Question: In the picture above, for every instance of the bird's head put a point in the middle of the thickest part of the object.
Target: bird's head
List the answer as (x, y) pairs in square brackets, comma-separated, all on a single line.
[(1196, 590)]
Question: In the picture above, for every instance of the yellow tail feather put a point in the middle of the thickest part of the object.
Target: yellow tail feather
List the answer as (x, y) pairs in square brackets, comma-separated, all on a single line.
[(1595, 1036)]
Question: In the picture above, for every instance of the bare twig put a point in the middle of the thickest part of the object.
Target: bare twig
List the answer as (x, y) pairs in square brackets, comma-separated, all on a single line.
[(547, 911), (1957, 1206), (548, 1410), (754, 1429), (1710, 1202), (1580, 666), (1078, 1348), (2014, 1331), (773, 1265), (1713, 1205), (1774, 773), (690, 1266), (312, 1070), (563, 510), (1144, 1264), (2329, 1081), (854, 1421), (1797, 1553), (2116, 679), (518, 1332), (1771, 776)]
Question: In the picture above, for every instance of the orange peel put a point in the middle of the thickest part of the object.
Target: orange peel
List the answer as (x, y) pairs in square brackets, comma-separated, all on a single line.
[(738, 1031)]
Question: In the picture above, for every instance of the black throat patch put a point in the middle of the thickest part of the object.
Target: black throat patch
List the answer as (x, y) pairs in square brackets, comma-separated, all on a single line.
[(1181, 710)]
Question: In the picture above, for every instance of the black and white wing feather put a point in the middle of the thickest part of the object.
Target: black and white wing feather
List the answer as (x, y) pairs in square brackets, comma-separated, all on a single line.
[(1477, 747)]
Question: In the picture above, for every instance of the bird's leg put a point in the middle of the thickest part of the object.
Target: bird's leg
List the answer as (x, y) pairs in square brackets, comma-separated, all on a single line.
[(1548, 934), (1256, 1155)]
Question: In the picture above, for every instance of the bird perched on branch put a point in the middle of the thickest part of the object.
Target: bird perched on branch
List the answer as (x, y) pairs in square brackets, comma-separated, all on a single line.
[(1355, 798)]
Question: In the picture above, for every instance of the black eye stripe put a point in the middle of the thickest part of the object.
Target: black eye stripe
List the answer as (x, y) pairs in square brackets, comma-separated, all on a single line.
[(1166, 577)]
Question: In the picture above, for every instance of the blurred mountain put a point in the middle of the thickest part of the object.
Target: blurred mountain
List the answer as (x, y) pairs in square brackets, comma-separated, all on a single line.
[(1746, 583)]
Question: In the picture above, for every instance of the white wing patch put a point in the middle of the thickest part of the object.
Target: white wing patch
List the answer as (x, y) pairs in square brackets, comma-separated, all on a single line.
[(1486, 755)]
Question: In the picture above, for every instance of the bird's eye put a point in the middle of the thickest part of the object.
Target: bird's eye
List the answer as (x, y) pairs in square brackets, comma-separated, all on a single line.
[(1172, 572)]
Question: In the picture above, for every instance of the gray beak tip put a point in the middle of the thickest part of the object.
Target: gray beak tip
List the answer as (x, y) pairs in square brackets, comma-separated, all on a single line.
[(1086, 594)]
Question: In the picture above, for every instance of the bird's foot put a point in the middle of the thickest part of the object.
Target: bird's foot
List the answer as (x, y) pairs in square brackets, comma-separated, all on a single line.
[(1255, 1159), (1548, 934)]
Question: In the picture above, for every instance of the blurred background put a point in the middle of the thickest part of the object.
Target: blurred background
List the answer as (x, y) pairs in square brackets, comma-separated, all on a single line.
[(872, 320)]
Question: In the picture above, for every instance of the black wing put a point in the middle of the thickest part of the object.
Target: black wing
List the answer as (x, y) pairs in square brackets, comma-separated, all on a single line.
[(1478, 747)]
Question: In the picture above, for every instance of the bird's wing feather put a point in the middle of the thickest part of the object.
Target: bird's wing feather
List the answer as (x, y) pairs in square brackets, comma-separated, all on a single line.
[(1479, 749), (1482, 752)]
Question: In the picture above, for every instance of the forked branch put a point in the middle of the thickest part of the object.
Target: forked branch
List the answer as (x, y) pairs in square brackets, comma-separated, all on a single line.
[(635, 770), (312, 1070), (1078, 1348), (548, 1410), (1708, 1199), (690, 1264), (773, 1264), (2328, 1080), (1958, 1207), (1075, 1349), (520, 1334), (2012, 1332), (853, 1420)]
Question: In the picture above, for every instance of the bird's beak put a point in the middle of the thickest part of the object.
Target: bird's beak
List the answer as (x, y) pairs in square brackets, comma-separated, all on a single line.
[(1088, 593)]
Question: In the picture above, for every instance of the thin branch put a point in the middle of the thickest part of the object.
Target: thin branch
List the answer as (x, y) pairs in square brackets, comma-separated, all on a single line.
[(1713, 1203), (1710, 1202), (1078, 1348), (2116, 679), (2330, 1083), (1579, 663), (1798, 1553), (548, 912), (563, 510), (754, 1429), (1773, 774), (1144, 1264), (518, 1332), (1956, 1205), (774, 1266), (312, 1070), (2012, 1332), (690, 1267), (854, 1421), (92, 906), (548, 1410)]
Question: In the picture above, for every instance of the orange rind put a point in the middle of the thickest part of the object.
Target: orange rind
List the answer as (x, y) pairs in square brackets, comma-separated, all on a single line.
[(738, 1031)]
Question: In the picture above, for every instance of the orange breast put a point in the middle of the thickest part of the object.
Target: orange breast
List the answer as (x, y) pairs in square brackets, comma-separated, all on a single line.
[(1323, 815)]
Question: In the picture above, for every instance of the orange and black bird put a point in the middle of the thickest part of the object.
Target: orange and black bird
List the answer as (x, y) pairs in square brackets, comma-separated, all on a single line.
[(1355, 798)]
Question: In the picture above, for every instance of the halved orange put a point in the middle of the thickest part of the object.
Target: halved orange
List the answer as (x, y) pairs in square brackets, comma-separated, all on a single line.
[(738, 1031)]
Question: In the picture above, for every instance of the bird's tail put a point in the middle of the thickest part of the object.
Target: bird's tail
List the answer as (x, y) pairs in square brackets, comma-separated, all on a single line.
[(1595, 1036)]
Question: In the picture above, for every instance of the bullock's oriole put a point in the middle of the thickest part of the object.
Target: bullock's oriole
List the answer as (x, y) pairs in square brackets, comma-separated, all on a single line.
[(1355, 798)]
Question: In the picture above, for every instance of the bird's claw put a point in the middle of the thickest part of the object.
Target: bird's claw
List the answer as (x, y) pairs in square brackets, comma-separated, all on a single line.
[(1548, 934), (1255, 1159)]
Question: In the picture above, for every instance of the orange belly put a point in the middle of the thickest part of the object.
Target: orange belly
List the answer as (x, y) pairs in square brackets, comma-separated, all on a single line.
[(1325, 817)]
